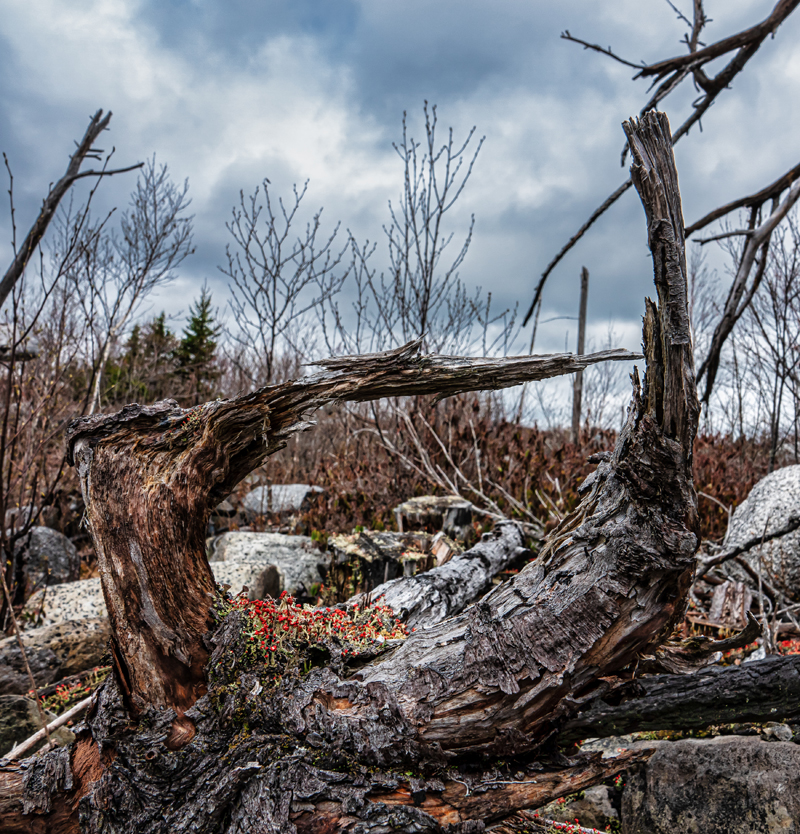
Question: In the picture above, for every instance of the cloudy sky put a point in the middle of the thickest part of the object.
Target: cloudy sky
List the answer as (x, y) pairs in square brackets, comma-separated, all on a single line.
[(228, 93)]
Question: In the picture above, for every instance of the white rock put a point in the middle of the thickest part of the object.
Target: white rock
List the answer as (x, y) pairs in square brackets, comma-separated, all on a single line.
[(768, 507), (279, 498), (296, 557)]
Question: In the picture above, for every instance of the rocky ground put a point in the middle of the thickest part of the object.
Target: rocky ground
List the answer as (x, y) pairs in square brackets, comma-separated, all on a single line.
[(737, 779)]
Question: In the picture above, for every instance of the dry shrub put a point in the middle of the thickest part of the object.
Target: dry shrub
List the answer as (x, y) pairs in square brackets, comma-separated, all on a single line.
[(347, 454), (541, 469), (726, 470)]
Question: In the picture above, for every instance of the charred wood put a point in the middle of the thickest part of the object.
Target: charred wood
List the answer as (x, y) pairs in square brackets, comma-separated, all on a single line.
[(759, 691)]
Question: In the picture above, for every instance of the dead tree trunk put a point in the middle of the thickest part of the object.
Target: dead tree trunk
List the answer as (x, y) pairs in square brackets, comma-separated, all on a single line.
[(151, 476), (577, 385), (451, 727)]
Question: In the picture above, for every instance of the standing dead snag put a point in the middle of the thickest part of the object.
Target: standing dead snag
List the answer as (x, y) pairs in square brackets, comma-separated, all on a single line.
[(447, 728)]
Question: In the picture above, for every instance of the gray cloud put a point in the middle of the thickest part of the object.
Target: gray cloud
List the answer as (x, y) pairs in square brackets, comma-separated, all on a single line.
[(229, 93)]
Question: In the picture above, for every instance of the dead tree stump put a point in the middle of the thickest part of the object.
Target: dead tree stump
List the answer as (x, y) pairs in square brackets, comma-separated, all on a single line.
[(453, 726)]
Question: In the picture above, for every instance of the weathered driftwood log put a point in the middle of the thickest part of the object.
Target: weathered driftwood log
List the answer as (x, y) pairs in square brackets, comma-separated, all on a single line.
[(446, 590), (453, 726), (760, 691)]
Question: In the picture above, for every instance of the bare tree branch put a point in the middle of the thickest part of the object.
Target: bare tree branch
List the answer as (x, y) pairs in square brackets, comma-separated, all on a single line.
[(85, 150), (747, 43), (756, 541), (596, 214), (565, 35), (747, 37), (756, 200), (31, 742), (722, 235), (758, 240)]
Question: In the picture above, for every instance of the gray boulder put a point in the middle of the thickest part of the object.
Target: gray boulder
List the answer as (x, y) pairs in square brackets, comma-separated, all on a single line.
[(768, 507), (261, 579), (279, 498), (54, 652), (45, 666), (298, 561), (726, 785), (267, 563), (19, 719), (48, 558)]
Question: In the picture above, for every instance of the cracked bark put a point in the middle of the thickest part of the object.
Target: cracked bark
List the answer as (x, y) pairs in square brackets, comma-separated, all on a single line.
[(453, 727), (761, 691)]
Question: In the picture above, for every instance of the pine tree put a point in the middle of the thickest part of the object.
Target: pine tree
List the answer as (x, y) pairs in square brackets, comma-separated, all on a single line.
[(145, 370), (196, 353)]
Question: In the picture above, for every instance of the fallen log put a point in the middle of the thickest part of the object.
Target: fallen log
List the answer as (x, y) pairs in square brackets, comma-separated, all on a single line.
[(444, 591), (452, 726), (757, 692)]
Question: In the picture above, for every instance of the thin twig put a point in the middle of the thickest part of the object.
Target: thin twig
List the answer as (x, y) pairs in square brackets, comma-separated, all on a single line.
[(736, 233), (29, 743), (24, 654), (565, 35), (791, 525)]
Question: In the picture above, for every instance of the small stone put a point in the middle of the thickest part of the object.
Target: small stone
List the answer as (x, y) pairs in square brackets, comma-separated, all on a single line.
[(777, 732), (592, 807), (449, 513), (262, 580), (759, 654), (225, 508)]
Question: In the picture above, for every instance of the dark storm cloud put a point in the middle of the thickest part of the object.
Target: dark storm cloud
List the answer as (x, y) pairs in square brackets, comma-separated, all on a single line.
[(230, 93)]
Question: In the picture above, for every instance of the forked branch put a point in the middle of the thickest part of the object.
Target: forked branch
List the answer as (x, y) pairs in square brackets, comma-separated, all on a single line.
[(85, 150), (674, 71)]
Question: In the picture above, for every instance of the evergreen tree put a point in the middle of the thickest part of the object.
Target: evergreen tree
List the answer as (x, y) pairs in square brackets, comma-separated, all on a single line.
[(196, 353), (145, 370)]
